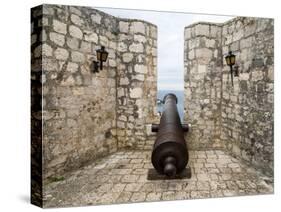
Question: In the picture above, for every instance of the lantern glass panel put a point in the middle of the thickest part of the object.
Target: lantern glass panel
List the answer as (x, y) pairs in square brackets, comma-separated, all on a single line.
[(232, 59), (104, 56), (98, 55), (227, 59)]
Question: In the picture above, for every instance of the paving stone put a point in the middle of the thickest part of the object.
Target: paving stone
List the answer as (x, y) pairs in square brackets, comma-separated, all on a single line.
[(175, 186), (119, 187), (105, 187), (138, 197), (124, 197), (153, 196), (210, 165), (104, 183), (133, 187), (200, 194), (168, 195), (130, 178)]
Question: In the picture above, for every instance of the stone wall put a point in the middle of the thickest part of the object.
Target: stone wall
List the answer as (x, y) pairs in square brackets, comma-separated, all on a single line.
[(238, 118), (88, 115), (203, 85), (137, 83), (247, 107), (36, 109)]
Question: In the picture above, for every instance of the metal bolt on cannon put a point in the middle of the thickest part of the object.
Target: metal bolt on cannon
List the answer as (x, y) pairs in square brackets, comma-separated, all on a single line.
[(170, 155)]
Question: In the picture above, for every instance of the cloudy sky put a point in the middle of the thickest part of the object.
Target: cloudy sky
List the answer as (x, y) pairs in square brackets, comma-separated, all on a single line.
[(170, 40)]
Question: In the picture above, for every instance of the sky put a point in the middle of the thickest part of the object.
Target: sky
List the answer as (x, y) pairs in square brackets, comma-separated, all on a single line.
[(170, 43)]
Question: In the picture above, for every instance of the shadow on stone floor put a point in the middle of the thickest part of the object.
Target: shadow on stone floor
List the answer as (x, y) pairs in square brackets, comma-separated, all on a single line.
[(154, 175), (122, 178)]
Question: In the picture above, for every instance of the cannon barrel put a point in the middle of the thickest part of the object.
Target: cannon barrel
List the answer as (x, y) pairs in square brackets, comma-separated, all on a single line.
[(169, 155)]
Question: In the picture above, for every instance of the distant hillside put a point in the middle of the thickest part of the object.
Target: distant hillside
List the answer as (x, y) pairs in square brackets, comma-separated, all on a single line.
[(180, 96)]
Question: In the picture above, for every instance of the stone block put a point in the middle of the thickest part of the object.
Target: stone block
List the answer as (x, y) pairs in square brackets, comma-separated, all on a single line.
[(72, 67), (153, 32), (187, 33), (210, 43), (72, 43), (124, 26), (49, 64), (204, 53), (59, 27), (235, 46), (244, 76), (215, 31), (139, 77), (77, 57), (43, 35), (246, 43), (140, 38), (137, 27), (257, 75), (122, 118), (202, 29), (136, 47), (238, 35), (122, 47), (141, 69), (127, 57), (61, 54), (112, 63), (191, 54), (96, 18), (202, 69), (69, 81), (136, 93), (194, 43), (47, 50), (91, 37), (124, 81), (75, 10), (57, 38), (76, 32), (76, 20), (104, 40), (112, 45), (270, 74), (86, 47)]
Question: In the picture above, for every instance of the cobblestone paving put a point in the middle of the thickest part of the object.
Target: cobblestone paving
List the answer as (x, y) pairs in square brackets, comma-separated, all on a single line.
[(122, 178)]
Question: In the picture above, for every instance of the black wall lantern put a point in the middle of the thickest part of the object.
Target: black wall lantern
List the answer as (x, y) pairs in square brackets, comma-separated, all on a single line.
[(230, 61), (101, 57)]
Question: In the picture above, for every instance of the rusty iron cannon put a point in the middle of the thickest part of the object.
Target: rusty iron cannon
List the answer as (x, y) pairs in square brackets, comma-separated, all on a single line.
[(170, 155)]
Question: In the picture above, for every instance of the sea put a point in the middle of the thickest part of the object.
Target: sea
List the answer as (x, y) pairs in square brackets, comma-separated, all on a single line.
[(180, 96)]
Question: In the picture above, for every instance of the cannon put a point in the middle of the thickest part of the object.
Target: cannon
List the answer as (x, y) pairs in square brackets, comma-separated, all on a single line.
[(170, 154)]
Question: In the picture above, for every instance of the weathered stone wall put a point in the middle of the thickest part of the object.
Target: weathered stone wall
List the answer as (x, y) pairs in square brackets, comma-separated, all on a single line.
[(36, 109), (137, 83), (242, 115), (82, 115), (203, 85), (77, 105), (247, 107)]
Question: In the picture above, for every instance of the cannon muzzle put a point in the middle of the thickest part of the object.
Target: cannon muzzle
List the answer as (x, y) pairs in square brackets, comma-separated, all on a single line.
[(169, 155)]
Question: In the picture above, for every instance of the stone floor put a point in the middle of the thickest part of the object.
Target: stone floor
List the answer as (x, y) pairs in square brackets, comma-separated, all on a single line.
[(122, 178)]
